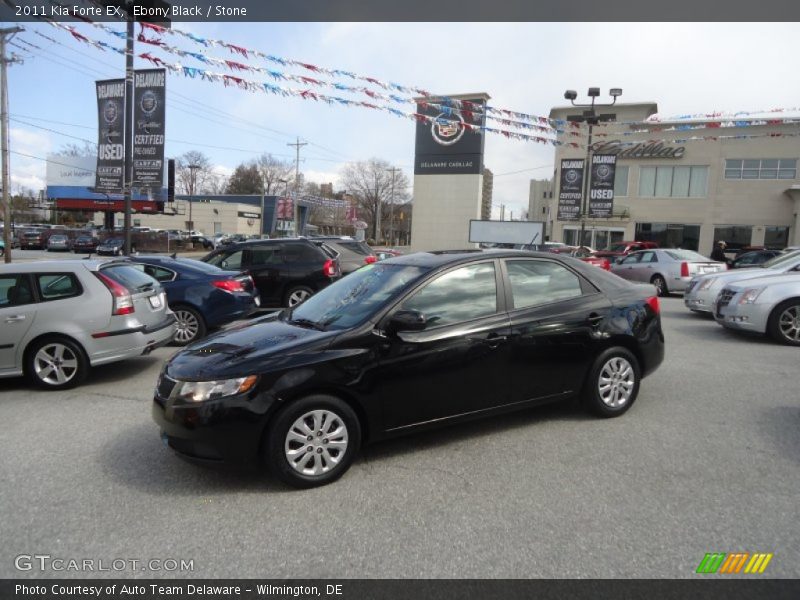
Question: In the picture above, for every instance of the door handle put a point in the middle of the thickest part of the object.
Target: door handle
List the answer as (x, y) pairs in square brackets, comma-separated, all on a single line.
[(15, 318), (492, 340), (594, 319)]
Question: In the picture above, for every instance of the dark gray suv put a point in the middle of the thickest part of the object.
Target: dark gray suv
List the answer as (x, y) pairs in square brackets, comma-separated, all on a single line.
[(352, 254)]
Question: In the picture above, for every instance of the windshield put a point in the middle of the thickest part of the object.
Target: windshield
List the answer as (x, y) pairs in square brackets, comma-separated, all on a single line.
[(353, 299), (782, 260)]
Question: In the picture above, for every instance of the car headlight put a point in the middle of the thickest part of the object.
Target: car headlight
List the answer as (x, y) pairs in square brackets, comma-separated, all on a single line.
[(750, 295), (706, 284), (200, 391)]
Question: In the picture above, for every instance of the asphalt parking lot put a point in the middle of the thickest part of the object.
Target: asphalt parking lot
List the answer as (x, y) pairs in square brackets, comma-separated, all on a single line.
[(707, 460)]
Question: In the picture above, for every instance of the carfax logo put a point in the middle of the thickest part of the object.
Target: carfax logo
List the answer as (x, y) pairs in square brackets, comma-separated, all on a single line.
[(446, 132), (733, 563)]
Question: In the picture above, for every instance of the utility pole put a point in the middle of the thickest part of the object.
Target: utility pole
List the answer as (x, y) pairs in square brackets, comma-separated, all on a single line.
[(502, 212), (6, 35), (127, 184), (298, 144), (393, 170)]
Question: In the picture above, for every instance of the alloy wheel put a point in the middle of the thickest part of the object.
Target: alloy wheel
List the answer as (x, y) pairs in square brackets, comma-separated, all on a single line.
[(298, 296), (789, 323), (187, 326), (55, 364), (616, 382), (316, 442)]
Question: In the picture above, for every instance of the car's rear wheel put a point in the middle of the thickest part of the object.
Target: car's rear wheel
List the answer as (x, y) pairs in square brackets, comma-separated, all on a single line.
[(784, 322), (312, 441), (613, 383), (57, 363), (298, 294), (661, 285), (190, 325)]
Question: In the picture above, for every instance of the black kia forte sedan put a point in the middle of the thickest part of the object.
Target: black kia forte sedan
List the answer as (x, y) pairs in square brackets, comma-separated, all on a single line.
[(411, 342)]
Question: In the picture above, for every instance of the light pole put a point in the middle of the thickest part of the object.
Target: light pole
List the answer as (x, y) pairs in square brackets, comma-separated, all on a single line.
[(590, 117), (192, 180), (285, 183), (391, 208)]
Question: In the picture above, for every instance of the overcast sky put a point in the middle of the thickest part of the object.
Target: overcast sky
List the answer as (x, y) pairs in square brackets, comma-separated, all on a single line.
[(684, 67)]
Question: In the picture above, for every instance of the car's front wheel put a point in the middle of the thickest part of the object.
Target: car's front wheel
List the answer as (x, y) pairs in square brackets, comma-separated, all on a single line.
[(57, 363), (190, 325), (312, 441), (784, 323), (613, 383)]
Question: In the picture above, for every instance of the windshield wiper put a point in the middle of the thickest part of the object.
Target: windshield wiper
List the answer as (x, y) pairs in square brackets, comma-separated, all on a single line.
[(307, 323)]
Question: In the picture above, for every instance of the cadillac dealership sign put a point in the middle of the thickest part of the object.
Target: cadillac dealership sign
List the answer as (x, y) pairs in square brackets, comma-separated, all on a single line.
[(638, 150), (449, 141)]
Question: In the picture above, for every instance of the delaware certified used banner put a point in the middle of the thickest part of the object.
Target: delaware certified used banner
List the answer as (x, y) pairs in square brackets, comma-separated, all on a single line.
[(601, 185), (111, 135), (149, 94), (570, 191)]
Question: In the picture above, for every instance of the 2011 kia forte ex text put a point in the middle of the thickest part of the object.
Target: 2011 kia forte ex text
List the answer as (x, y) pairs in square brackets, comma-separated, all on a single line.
[(411, 342)]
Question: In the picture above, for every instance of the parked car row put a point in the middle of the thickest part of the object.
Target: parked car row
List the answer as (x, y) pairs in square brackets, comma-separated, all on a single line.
[(764, 299)]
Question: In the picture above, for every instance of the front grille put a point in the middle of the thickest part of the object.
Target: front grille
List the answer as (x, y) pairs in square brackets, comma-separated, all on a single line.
[(165, 386), (723, 300)]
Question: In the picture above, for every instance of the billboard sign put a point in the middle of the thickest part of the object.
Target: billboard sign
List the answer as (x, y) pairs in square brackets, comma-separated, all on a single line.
[(111, 135), (149, 102), (449, 141), (570, 190), (601, 185), (506, 232)]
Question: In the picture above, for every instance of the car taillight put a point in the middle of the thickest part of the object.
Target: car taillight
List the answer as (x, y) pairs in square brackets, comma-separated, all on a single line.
[(606, 264), (370, 259), (653, 303), (684, 269), (228, 285), (329, 268), (123, 301)]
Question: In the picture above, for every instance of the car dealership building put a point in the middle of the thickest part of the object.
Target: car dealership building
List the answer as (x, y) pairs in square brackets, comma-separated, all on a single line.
[(684, 183)]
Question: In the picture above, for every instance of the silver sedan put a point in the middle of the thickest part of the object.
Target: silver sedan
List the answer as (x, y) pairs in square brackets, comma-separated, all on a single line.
[(703, 289), (768, 305), (669, 269)]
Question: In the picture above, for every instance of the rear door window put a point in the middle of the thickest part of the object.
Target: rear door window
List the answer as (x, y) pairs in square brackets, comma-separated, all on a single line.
[(357, 247), (157, 273), (15, 290), (300, 253), (537, 282), (227, 260), (264, 255), (54, 286)]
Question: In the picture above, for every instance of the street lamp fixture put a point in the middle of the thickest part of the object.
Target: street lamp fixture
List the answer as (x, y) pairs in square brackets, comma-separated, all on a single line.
[(192, 180), (591, 118)]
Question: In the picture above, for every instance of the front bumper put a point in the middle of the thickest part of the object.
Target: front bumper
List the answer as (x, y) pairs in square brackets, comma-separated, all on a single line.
[(228, 430), (742, 317), (700, 300)]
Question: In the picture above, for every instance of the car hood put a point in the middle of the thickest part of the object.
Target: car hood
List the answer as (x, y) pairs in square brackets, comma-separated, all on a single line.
[(263, 345), (766, 280), (725, 277)]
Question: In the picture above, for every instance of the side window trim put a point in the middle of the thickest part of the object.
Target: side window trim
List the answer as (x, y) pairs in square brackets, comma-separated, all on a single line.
[(39, 295), (35, 297)]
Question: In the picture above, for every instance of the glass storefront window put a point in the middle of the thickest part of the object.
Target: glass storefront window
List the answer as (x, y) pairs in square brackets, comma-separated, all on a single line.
[(735, 237), (670, 235), (621, 181), (776, 238), (673, 182)]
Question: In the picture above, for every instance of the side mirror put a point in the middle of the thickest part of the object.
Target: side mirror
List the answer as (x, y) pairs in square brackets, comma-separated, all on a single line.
[(407, 320)]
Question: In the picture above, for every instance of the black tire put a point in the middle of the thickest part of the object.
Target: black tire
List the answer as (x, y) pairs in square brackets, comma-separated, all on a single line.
[(783, 324), (40, 359), (620, 370), (661, 285), (191, 325), (283, 437), (296, 295)]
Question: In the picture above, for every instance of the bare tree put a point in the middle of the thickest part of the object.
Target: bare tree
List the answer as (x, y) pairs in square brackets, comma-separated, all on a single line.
[(370, 183), (201, 180), (275, 174), (72, 149)]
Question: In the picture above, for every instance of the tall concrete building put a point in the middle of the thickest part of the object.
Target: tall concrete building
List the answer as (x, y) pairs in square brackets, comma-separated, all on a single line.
[(689, 182), (486, 202), (540, 198)]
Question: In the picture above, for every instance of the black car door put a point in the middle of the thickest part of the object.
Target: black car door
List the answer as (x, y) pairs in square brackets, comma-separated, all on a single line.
[(458, 364), (555, 320), (263, 263)]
